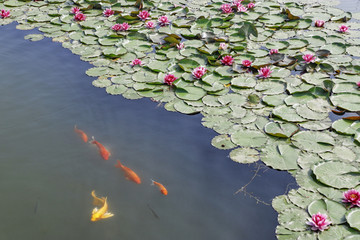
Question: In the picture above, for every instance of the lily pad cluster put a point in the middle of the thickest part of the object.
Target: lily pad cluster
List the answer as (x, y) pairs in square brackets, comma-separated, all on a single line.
[(282, 120)]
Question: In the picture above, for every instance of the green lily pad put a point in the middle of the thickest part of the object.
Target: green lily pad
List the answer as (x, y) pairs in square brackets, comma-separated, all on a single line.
[(190, 93), (337, 174), (311, 141), (346, 126), (353, 218), (335, 211), (244, 155), (346, 101), (283, 130), (281, 157), (248, 138)]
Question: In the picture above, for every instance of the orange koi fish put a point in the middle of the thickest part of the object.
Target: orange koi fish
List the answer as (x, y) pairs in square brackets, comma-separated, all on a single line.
[(161, 187), (101, 213), (81, 133), (105, 154), (129, 174)]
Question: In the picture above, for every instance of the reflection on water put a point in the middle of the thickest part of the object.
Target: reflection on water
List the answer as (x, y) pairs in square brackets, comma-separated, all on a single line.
[(47, 172)]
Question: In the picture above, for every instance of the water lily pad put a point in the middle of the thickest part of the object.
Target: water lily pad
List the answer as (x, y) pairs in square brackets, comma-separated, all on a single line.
[(190, 93), (116, 89), (281, 157), (335, 211), (311, 141), (34, 37), (222, 142), (244, 155), (277, 129), (337, 174), (347, 101), (346, 126), (287, 113), (293, 219), (353, 218), (248, 138)]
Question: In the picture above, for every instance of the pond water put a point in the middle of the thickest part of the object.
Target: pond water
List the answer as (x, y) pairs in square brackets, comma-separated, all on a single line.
[(47, 172)]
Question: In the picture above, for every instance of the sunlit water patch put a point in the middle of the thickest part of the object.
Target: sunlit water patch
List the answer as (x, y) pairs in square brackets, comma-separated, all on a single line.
[(47, 172)]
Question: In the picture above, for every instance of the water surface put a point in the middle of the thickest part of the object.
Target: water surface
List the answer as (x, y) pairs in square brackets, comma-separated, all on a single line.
[(47, 172)]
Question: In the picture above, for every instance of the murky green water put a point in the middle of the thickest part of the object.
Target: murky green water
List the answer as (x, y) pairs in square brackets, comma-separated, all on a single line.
[(47, 172)]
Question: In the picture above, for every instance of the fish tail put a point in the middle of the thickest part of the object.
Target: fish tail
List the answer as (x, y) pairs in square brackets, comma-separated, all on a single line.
[(152, 182), (118, 164), (93, 139)]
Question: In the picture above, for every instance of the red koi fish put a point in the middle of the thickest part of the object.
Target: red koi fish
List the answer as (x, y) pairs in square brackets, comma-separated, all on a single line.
[(105, 154), (81, 133), (161, 187), (129, 174)]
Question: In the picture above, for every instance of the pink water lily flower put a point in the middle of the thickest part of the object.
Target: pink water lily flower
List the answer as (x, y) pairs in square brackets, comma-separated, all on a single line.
[(343, 29), (309, 58), (150, 24), (318, 222), (352, 196), (319, 23), (264, 72), (199, 72), (273, 51), (246, 63), (223, 46), (120, 27), (125, 26), (241, 8), (117, 27), (237, 2), (358, 84), (136, 62), (226, 8), (108, 12), (163, 20), (4, 13), (80, 16), (227, 60), (251, 5), (180, 46), (143, 15), (169, 79), (75, 10)]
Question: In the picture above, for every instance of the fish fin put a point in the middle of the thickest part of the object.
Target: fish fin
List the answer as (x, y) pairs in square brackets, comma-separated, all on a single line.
[(152, 182), (107, 215), (95, 210), (97, 201), (118, 164)]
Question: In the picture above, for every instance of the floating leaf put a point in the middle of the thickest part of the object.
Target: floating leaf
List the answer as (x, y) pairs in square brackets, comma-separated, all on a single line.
[(293, 219), (337, 174), (353, 218), (244, 155), (311, 141), (281, 157), (346, 126), (284, 130), (287, 113), (248, 138), (190, 93), (347, 101), (222, 142), (335, 211)]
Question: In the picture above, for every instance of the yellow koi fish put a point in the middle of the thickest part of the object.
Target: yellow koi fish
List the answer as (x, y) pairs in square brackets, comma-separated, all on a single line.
[(100, 213)]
